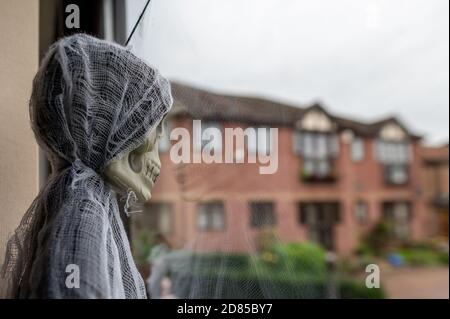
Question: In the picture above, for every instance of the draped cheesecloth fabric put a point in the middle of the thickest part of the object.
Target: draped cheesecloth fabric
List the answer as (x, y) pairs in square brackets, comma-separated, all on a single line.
[(92, 102)]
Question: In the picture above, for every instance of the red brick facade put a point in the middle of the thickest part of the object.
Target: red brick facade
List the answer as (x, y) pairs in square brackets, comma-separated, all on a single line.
[(184, 186)]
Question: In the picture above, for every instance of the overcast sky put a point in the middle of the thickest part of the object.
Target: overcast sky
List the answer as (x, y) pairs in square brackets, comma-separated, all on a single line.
[(361, 58)]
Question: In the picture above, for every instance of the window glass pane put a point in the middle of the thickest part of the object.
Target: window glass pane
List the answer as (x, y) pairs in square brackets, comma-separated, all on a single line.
[(357, 149), (390, 151), (398, 174), (393, 152), (202, 219), (308, 145), (217, 217), (308, 167), (398, 215), (262, 214), (321, 146), (323, 168), (397, 153), (211, 216), (165, 219)]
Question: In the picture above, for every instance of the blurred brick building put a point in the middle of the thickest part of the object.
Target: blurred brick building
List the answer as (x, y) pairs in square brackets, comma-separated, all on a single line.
[(336, 178), (435, 185)]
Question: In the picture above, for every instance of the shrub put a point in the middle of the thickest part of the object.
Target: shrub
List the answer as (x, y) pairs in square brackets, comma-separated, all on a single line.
[(349, 289), (306, 258), (423, 256), (364, 249), (142, 245), (295, 270), (443, 258), (378, 238)]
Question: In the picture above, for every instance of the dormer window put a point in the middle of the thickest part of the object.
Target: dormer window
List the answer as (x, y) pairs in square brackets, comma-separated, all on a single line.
[(316, 142), (318, 151), (393, 151)]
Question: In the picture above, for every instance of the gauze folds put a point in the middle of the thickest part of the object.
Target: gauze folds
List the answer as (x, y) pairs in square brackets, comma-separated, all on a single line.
[(92, 102)]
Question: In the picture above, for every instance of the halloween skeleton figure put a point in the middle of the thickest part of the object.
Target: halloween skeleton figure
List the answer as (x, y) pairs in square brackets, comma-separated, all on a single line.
[(95, 108)]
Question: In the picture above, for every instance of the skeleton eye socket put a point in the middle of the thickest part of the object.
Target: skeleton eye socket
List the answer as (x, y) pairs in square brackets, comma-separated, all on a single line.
[(135, 162)]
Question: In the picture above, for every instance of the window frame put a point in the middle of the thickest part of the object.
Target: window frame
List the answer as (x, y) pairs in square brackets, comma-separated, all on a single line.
[(209, 214), (255, 210), (150, 220)]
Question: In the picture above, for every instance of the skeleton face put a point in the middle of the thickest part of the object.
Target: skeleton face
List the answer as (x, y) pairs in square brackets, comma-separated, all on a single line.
[(137, 170)]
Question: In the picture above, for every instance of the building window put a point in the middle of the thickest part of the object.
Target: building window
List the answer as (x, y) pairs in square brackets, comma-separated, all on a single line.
[(211, 216), (164, 141), (262, 214), (396, 174), (395, 157), (357, 149), (318, 151), (398, 215), (320, 219), (361, 212), (393, 152), (158, 217)]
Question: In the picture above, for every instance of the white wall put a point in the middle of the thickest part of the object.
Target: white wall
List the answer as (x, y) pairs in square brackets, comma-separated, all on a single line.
[(19, 58)]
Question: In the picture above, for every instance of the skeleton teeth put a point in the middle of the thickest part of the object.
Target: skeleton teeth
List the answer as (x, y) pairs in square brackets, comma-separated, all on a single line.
[(151, 171), (155, 176)]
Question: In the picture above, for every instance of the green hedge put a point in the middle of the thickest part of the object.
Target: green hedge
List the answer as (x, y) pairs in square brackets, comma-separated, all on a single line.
[(295, 270), (292, 271), (423, 256)]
